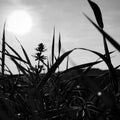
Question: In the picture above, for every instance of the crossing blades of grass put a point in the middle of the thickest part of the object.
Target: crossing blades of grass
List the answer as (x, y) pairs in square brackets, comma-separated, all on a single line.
[(52, 70), (14, 57), (112, 71), (13, 50), (98, 15), (25, 54), (106, 35)]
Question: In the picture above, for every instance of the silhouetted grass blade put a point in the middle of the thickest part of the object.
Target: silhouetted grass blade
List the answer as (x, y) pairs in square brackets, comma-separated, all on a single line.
[(53, 46), (109, 38), (27, 59), (17, 58), (97, 13), (81, 66), (106, 49), (22, 69), (14, 51), (3, 51), (67, 62), (59, 45), (25, 53), (7, 69)]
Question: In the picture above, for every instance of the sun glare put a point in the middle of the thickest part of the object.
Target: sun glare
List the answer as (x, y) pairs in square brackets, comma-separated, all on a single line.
[(19, 22)]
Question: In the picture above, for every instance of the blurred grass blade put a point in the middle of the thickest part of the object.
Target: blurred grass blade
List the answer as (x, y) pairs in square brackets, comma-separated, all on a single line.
[(109, 38), (59, 45), (22, 69), (106, 49), (53, 46), (25, 53), (94, 108), (52, 70), (27, 59), (26, 56), (6, 67), (17, 58), (7, 70), (97, 13), (81, 66), (67, 62), (48, 65), (13, 50), (90, 67), (3, 51)]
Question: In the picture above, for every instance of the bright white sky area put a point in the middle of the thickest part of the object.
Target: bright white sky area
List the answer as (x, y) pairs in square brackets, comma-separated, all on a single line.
[(68, 19)]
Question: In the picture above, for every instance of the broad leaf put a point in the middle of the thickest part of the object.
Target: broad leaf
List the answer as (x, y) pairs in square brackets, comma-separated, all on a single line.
[(97, 13)]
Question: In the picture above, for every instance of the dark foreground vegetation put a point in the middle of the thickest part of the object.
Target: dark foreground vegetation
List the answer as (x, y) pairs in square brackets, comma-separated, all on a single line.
[(73, 94)]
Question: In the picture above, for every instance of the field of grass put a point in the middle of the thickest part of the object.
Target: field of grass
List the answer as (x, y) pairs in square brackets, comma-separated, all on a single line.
[(71, 94)]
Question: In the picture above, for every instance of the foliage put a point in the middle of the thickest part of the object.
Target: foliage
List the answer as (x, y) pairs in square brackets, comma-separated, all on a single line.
[(64, 95)]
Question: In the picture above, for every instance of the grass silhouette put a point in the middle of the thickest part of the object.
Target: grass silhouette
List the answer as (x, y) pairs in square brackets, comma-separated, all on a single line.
[(64, 95)]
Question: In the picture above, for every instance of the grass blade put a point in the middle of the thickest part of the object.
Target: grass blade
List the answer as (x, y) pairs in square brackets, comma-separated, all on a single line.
[(109, 38), (67, 62), (81, 66), (59, 45), (14, 51), (53, 46), (97, 13), (106, 49), (12, 56), (3, 51), (25, 54), (7, 68), (27, 59), (22, 69)]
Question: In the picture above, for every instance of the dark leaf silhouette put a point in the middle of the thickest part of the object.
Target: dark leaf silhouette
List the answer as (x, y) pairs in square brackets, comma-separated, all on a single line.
[(97, 13), (53, 46), (3, 51), (59, 45), (109, 38)]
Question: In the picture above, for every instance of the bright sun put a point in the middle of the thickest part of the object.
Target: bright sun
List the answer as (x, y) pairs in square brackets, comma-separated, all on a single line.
[(19, 22)]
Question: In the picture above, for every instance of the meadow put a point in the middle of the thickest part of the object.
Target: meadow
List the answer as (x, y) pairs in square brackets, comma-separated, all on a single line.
[(60, 95)]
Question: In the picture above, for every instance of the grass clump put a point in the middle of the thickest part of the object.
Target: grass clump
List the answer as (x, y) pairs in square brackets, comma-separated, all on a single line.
[(68, 95)]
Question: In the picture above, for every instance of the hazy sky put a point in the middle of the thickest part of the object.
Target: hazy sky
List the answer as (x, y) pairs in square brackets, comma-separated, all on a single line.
[(68, 19)]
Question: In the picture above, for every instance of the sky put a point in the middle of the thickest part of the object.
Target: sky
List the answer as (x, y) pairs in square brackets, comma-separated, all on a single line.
[(68, 19)]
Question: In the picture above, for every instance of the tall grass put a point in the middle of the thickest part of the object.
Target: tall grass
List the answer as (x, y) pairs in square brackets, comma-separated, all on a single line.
[(3, 52), (64, 95)]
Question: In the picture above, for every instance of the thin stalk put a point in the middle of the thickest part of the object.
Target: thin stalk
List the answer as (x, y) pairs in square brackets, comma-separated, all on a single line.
[(3, 52)]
